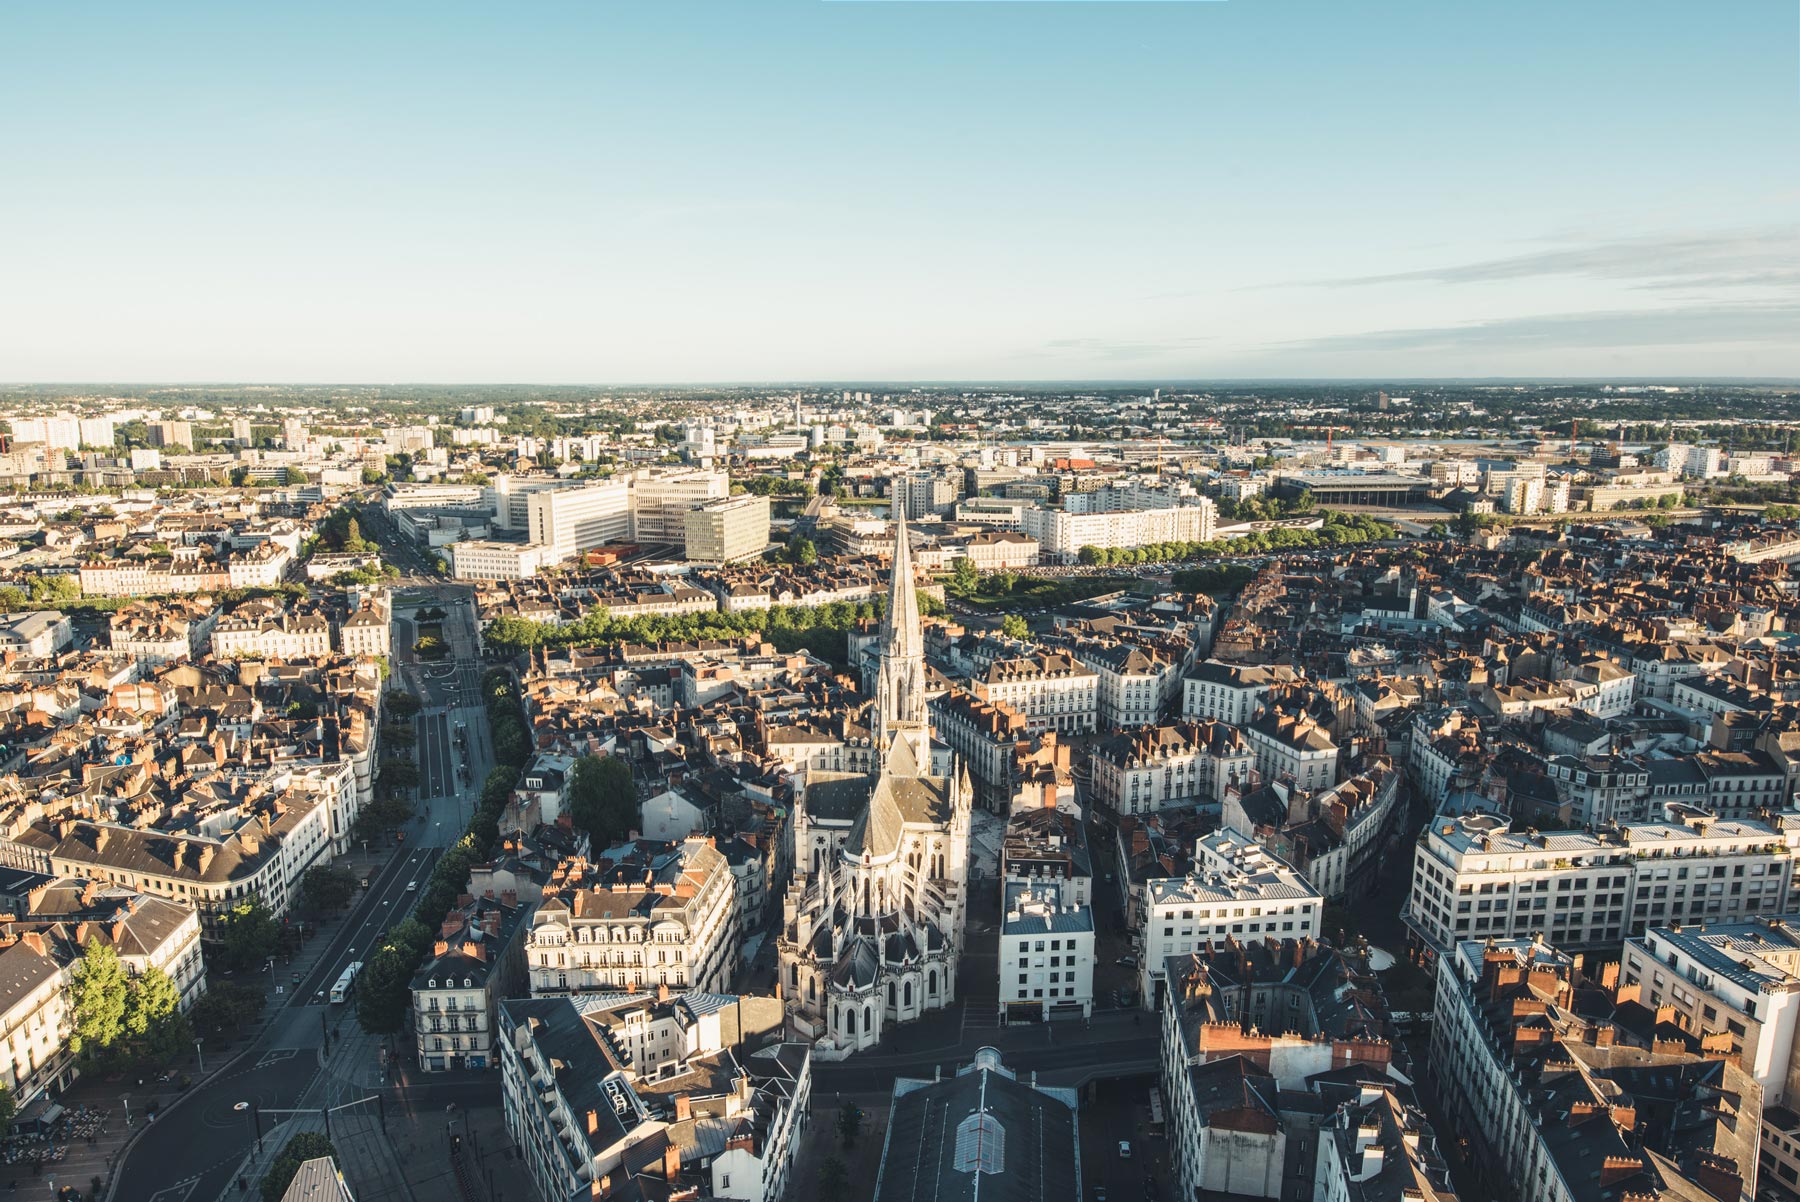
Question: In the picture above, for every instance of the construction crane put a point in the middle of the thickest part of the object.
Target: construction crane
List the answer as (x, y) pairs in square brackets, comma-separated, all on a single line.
[(1329, 430)]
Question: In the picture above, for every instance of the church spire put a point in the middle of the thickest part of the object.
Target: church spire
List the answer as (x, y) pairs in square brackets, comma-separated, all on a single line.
[(900, 687)]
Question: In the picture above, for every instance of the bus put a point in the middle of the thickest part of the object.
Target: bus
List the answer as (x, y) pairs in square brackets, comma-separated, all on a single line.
[(341, 990)]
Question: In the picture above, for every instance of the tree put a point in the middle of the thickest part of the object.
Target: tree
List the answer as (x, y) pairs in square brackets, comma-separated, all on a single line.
[(308, 1145), (225, 1007), (400, 704), (9, 1107), (396, 775), (834, 1180), (850, 1124), (328, 888), (153, 1017), (100, 1000), (249, 933), (602, 799), (965, 577), (1015, 627), (801, 550)]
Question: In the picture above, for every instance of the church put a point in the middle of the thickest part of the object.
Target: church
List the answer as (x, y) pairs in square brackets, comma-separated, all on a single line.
[(873, 922)]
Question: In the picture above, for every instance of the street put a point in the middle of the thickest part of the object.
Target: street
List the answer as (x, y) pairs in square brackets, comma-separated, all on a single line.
[(311, 1057)]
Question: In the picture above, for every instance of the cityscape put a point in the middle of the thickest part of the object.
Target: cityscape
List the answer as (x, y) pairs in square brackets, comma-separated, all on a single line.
[(805, 601)]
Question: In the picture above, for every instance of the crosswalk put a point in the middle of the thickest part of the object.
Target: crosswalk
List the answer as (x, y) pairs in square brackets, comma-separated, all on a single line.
[(981, 1014)]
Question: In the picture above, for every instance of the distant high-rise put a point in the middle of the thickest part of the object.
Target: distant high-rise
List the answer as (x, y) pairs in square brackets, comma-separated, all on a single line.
[(727, 529)]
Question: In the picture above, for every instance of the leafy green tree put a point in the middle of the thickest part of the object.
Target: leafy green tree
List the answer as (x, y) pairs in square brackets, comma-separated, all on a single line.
[(328, 888), (153, 1018), (965, 578), (101, 993), (308, 1145), (249, 933), (9, 1108), (1015, 627), (602, 799)]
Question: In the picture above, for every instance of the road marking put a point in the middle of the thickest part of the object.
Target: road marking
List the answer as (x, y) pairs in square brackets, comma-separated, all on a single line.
[(276, 1056), (181, 1191)]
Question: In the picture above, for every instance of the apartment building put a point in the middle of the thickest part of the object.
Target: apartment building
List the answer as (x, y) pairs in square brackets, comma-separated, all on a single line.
[(640, 916), (1061, 534), (53, 921), (985, 736), (478, 959), (1736, 983), (727, 530), (1225, 692), (1046, 955), (1293, 745), (643, 1096), (1169, 765), (1135, 683), (1260, 1041), (260, 850), (1235, 890), (1476, 877), (162, 632), (1338, 837), (1567, 1105), (568, 521), (366, 631), (265, 630), (1053, 690)]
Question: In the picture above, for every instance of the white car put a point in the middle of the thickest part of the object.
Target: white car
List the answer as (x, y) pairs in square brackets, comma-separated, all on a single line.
[(1124, 1149)]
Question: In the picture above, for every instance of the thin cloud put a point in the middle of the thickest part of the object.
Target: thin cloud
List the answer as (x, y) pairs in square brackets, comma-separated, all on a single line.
[(1123, 349), (1759, 258), (1699, 325)]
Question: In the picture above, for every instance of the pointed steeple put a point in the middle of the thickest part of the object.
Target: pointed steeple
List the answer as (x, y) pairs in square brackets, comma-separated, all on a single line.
[(902, 631), (900, 686)]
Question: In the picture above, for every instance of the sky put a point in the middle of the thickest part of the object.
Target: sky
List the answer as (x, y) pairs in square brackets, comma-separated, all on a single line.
[(874, 190)]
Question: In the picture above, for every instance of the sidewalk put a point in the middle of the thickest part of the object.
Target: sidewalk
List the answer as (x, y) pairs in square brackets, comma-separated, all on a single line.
[(485, 1157)]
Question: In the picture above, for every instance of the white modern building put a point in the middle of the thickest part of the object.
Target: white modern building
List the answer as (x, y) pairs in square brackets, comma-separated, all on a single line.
[(568, 521), (481, 559), (1476, 877), (1061, 535), (1046, 955), (1236, 890)]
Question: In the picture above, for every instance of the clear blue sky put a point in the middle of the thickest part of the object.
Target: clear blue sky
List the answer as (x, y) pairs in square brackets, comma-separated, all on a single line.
[(665, 191)]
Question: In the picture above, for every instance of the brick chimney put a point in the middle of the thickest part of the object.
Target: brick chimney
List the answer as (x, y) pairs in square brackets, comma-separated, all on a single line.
[(684, 1108), (593, 1122), (602, 1186), (439, 948), (1615, 1169), (34, 941), (474, 950), (1719, 1177), (662, 992), (671, 1163)]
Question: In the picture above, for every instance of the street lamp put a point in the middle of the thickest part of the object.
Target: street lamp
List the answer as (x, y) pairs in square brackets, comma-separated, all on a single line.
[(126, 1098), (255, 1120), (199, 1057)]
